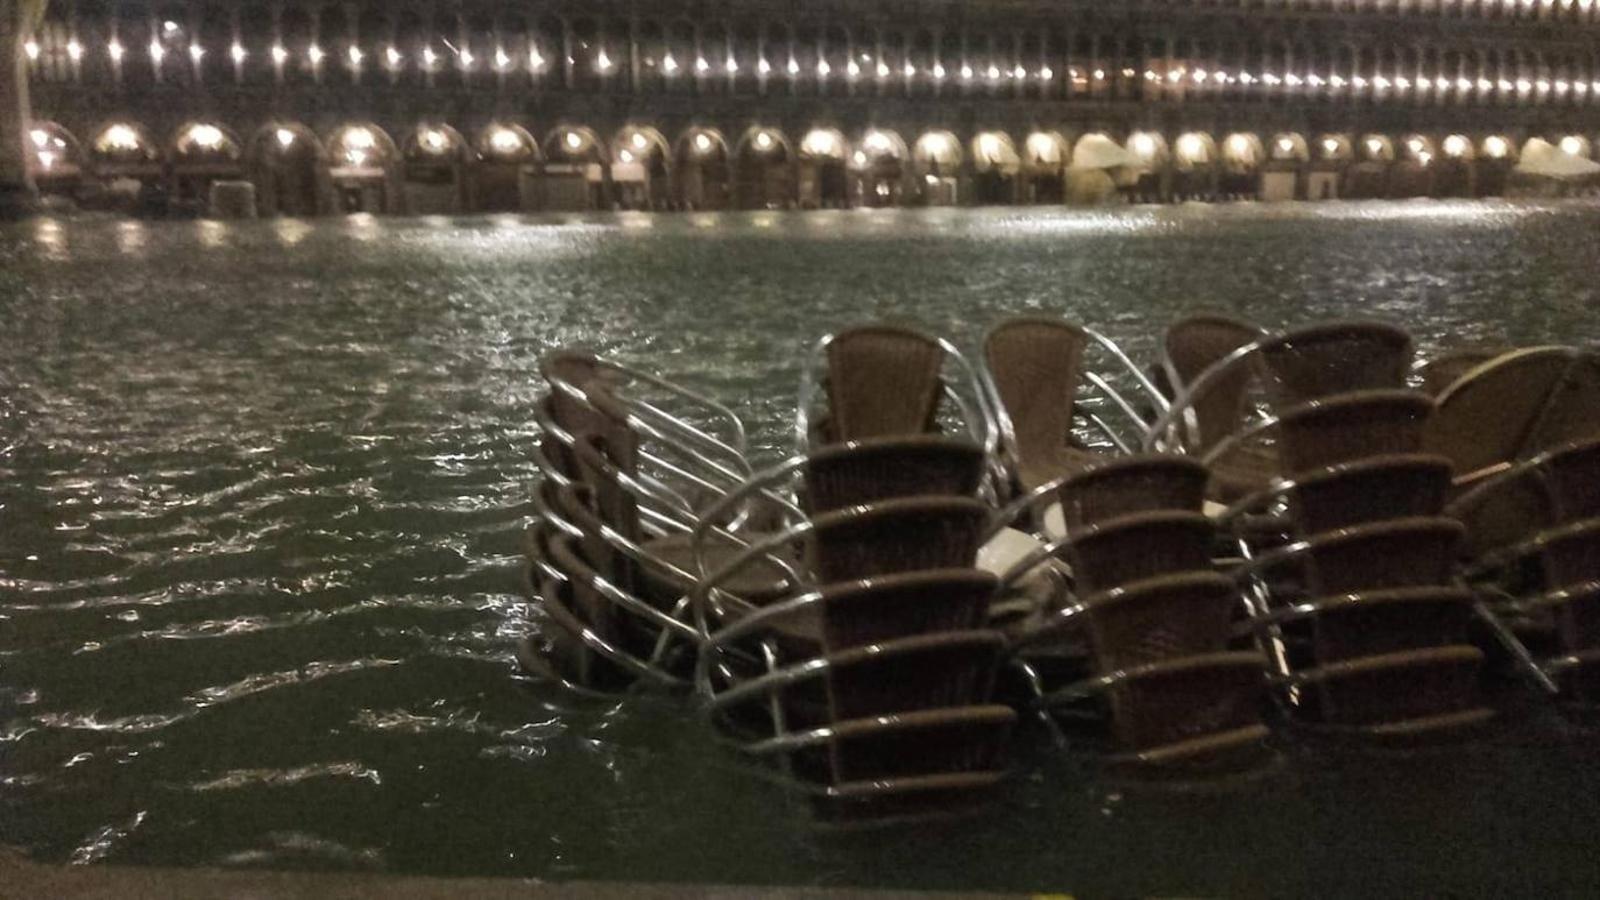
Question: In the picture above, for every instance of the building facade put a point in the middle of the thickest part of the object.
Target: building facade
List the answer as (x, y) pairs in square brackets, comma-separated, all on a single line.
[(452, 105)]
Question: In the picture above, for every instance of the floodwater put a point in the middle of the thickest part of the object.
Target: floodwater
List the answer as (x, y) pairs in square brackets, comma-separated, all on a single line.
[(261, 485)]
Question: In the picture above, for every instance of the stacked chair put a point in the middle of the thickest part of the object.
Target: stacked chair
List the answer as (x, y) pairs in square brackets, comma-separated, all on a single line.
[(869, 686), (1158, 617), (1347, 561), (1533, 555), (624, 476)]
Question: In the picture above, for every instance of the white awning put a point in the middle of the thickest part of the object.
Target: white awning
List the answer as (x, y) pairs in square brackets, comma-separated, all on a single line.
[(1096, 151), (1540, 157)]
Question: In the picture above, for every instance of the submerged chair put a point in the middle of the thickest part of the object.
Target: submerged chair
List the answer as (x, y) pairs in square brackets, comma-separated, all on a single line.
[(1444, 370), (1514, 407), (1036, 368)]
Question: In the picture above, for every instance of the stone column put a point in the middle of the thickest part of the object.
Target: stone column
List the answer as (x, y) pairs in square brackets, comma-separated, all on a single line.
[(18, 194)]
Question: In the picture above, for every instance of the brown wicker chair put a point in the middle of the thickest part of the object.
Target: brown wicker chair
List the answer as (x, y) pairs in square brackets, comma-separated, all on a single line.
[(893, 536), (1166, 617), (1352, 426), (1196, 711), (1407, 694), (860, 472), (1570, 554), (917, 744), (1138, 546), (1339, 358), (1389, 486), (1447, 368), (855, 614), (1192, 345), (882, 381), (927, 671), (1035, 364), (1396, 553), (1123, 485), (1573, 473), (1515, 406), (1375, 623)]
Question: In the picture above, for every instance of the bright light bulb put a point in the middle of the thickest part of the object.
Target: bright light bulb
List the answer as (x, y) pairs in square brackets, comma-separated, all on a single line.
[(702, 143), (938, 71), (966, 73), (504, 141), (1374, 145), (640, 141), (1572, 145), (116, 51), (1019, 73), (883, 69), (1046, 73), (626, 156), (40, 138), (764, 67), (429, 57), (1143, 145), (669, 64), (206, 137), (793, 68), (1496, 147), (121, 137), (74, 50), (355, 55), (732, 65), (574, 140), (1330, 146), (360, 139), (823, 68), (536, 61), (852, 69), (502, 61), (279, 54), (31, 48), (285, 138), (157, 52), (700, 65), (315, 54), (434, 141), (910, 70), (994, 73), (763, 141), (1285, 145), (1455, 146), (196, 52), (467, 59), (237, 51), (603, 61), (1191, 148)]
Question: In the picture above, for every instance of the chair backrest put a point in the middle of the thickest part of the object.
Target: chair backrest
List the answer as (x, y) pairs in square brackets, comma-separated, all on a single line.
[(1389, 554), (1336, 359), (1035, 363), (1372, 692), (1574, 477), (882, 381), (602, 473), (1391, 486), (1140, 545), (892, 536), (578, 418), (1388, 621), (930, 671), (911, 603), (1161, 618), (1448, 367), (1347, 427), (1570, 555), (1573, 413), (963, 739), (860, 472), (1578, 628), (1505, 511), (1124, 485), (595, 610), (1187, 700), (1491, 414), (1192, 345)]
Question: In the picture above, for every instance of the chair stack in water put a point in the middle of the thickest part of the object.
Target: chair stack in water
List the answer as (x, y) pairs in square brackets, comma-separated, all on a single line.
[(1158, 615), (1534, 554), (608, 553), (872, 684), (1362, 607)]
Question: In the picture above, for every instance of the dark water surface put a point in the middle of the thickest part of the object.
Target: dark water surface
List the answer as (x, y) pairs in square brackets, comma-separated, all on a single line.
[(261, 484)]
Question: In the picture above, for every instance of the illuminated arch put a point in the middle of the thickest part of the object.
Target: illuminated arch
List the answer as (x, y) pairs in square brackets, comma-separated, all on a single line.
[(1335, 148), (361, 144), (1376, 148), (882, 144), (994, 150), (1289, 146), (1499, 147), (573, 143), (53, 150), (702, 143), (1194, 150), (1149, 147), (278, 137), (635, 142), (123, 142), (205, 141), (763, 140), (1420, 148), (506, 142), (937, 148), (1575, 144), (1045, 150), (1242, 152), (435, 141), (1458, 147), (824, 143)]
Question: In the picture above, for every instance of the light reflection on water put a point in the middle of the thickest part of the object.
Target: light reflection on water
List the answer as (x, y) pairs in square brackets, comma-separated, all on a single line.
[(260, 486)]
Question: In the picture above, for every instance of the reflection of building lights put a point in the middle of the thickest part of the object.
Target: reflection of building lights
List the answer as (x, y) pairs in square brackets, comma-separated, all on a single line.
[(1143, 146), (910, 70), (994, 73), (1099, 74), (1455, 146), (505, 141), (120, 137), (1572, 145), (285, 138), (702, 143), (1042, 148), (206, 137), (169, 27), (574, 141), (931, 179), (466, 59), (1496, 147), (763, 141), (356, 156)]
